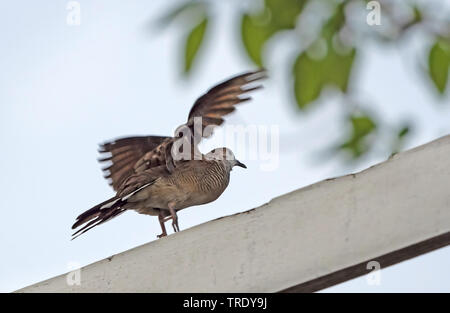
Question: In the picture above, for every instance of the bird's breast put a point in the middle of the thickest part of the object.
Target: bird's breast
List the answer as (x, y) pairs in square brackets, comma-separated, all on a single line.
[(204, 185), (187, 187)]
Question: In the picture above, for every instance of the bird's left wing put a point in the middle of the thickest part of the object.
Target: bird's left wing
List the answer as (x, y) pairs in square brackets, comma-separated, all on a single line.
[(209, 110), (222, 99), (121, 155)]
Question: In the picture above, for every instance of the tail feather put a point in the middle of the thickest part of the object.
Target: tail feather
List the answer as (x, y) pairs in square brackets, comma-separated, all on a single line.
[(112, 207), (98, 214)]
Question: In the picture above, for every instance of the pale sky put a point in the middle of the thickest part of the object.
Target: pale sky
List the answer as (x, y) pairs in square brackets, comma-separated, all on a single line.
[(64, 89)]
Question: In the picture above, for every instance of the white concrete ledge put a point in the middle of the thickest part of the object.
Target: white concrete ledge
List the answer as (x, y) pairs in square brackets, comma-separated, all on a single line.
[(297, 238)]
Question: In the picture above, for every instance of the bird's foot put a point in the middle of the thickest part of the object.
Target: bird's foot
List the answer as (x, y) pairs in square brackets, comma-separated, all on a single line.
[(164, 234)]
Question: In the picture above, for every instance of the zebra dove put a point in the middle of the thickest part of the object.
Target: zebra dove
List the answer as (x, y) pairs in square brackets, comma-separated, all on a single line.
[(153, 177)]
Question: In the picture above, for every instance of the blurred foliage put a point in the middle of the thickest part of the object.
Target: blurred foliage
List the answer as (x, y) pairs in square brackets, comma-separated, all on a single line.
[(439, 64), (275, 16), (312, 75), (358, 143), (193, 43), (254, 35), (195, 20), (313, 71), (326, 55), (400, 138)]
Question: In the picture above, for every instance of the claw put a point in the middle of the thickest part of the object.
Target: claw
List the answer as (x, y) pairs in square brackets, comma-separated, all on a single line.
[(163, 227)]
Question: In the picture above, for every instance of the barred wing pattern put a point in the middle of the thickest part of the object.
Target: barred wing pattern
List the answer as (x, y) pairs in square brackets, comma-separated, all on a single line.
[(222, 99), (136, 154), (122, 155)]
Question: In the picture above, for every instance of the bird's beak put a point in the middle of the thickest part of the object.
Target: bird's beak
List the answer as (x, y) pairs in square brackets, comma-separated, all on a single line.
[(240, 164)]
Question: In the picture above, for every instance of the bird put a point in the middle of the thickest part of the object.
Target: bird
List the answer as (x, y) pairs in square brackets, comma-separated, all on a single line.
[(161, 175)]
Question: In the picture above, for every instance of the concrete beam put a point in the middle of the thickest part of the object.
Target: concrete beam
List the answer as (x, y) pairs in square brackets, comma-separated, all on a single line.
[(306, 240)]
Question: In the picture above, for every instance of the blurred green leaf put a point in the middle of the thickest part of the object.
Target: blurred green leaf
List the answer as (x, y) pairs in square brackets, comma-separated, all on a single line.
[(254, 36), (417, 14), (399, 139), (335, 22), (338, 68), (362, 127), (193, 43), (308, 80), (311, 74), (439, 64), (284, 13), (403, 132), (257, 29), (312, 71)]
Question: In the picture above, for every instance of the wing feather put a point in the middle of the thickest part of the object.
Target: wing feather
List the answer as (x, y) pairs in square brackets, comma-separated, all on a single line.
[(127, 156), (221, 99), (121, 155)]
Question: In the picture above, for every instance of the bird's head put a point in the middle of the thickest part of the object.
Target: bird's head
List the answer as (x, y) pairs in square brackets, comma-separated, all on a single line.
[(225, 155)]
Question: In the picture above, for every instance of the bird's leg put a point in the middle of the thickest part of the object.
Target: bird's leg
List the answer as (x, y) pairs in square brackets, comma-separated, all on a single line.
[(174, 217), (163, 227)]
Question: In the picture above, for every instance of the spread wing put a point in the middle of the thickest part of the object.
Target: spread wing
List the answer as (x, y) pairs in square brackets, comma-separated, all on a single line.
[(121, 155), (137, 154), (222, 99)]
